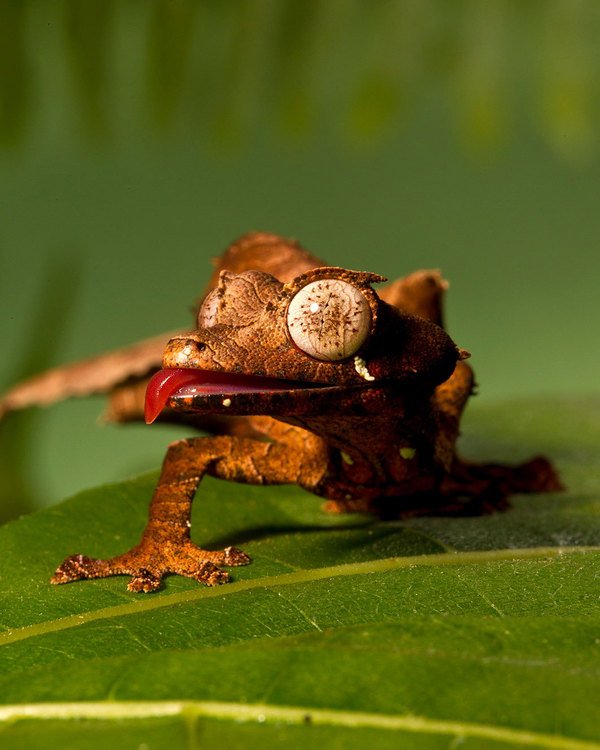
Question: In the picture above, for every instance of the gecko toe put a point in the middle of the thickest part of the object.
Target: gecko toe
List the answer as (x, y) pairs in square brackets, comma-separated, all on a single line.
[(210, 574), (74, 568), (234, 557), (144, 581)]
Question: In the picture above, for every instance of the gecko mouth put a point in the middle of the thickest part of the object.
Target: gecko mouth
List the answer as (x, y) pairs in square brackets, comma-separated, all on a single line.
[(182, 383)]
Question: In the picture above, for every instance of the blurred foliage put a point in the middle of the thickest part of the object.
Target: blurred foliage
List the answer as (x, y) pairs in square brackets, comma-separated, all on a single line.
[(223, 70), (106, 76), (15, 72), (53, 308), (89, 28)]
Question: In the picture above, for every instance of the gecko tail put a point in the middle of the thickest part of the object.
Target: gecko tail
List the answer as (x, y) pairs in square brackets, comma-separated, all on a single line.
[(91, 376)]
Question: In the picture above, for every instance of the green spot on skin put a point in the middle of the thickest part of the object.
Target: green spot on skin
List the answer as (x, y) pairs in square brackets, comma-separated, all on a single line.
[(346, 458), (407, 452)]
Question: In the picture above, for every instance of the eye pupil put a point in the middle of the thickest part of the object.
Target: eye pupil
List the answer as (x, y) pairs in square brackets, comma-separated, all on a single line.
[(333, 318)]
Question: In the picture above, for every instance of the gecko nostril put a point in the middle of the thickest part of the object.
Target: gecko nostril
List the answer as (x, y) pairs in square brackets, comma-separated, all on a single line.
[(186, 351), (190, 344), (188, 348)]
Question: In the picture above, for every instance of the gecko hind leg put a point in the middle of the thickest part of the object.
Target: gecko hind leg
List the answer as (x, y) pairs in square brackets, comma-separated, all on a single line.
[(480, 489), (472, 489)]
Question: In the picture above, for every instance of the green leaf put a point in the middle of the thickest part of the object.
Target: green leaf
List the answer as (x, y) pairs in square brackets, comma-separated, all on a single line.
[(344, 632)]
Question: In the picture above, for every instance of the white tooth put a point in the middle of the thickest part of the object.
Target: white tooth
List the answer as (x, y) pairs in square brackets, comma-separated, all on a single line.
[(361, 368)]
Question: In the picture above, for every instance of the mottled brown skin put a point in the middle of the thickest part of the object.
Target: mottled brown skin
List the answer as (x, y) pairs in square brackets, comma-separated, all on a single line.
[(383, 445)]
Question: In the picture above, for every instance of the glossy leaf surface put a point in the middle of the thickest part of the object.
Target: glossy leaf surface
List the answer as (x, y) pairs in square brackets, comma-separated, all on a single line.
[(345, 631)]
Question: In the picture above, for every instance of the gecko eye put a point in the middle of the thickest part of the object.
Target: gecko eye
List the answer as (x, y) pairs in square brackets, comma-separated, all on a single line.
[(207, 315), (329, 319)]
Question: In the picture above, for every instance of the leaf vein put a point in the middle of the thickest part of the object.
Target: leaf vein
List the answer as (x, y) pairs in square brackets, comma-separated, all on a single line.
[(295, 715), (138, 605)]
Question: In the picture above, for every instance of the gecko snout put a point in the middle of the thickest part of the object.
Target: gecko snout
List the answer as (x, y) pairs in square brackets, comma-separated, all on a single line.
[(183, 351)]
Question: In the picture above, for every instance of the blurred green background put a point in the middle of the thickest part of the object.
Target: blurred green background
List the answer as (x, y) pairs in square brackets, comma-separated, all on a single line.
[(138, 139)]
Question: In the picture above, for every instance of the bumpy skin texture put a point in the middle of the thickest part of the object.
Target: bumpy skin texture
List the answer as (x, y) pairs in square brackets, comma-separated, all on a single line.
[(373, 432)]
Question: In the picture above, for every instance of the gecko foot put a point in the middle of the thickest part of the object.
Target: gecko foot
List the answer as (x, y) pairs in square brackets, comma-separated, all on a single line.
[(148, 563)]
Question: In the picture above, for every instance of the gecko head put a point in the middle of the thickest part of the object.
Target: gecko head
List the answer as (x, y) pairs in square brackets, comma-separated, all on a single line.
[(322, 337)]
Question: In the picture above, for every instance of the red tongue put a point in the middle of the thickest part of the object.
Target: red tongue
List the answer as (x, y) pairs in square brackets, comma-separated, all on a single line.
[(166, 382), (163, 385)]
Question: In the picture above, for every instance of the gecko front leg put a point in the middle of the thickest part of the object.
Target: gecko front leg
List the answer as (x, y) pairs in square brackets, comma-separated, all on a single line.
[(166, 546)]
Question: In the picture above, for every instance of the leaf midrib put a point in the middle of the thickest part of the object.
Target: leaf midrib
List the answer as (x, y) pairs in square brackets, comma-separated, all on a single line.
[(150, 602), (294, 715)]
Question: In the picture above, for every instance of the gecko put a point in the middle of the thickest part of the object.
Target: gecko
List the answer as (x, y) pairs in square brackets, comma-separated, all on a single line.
[(306, 375)]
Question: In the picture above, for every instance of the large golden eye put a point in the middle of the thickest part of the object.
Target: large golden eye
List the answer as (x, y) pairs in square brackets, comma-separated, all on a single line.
[(329, 319), (207, 315)]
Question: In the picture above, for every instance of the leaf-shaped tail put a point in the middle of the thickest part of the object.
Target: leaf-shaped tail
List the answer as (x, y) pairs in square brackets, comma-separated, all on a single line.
[(98, 374)]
